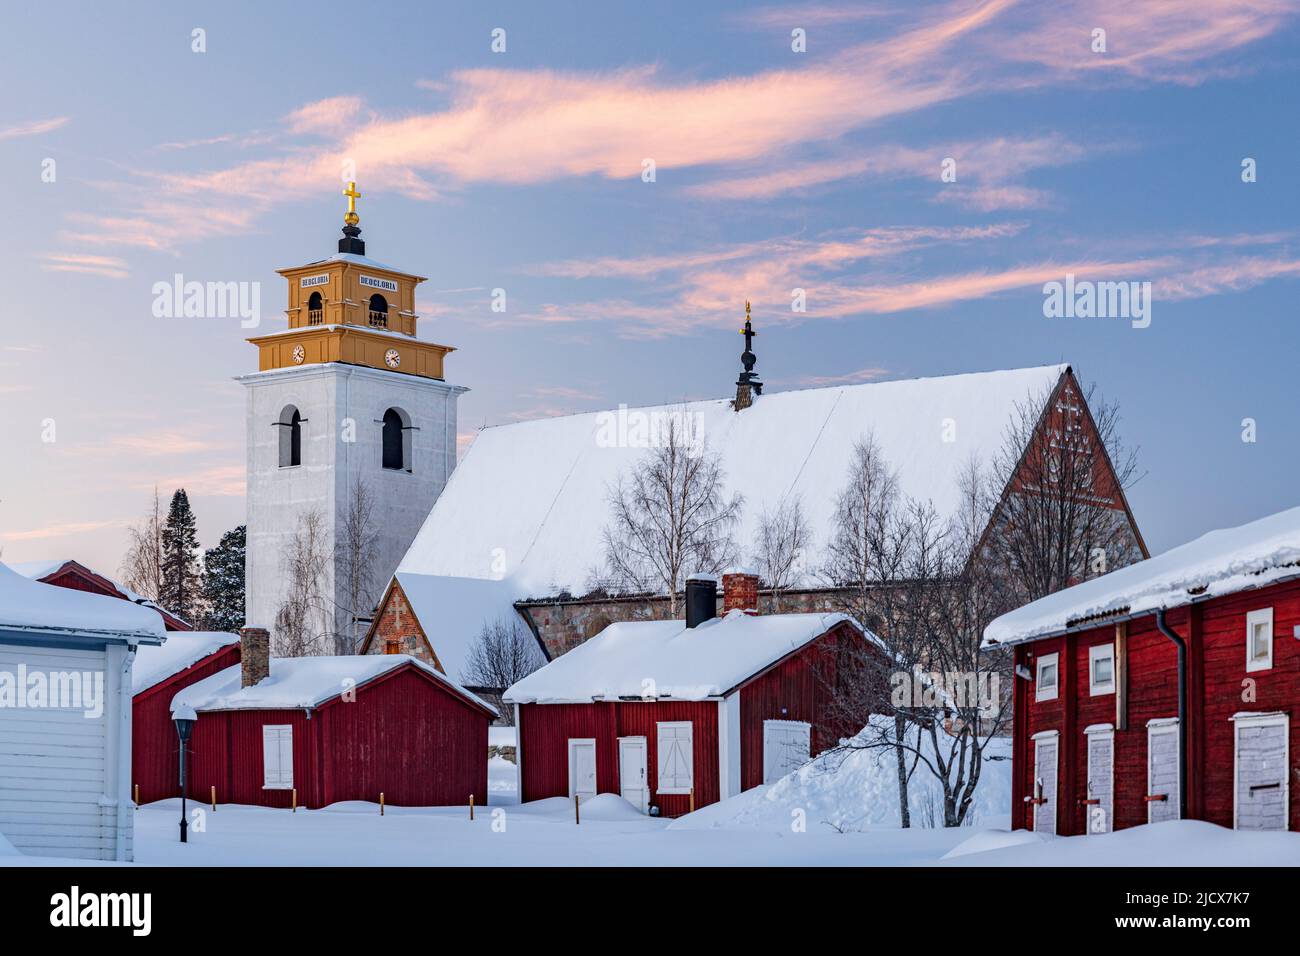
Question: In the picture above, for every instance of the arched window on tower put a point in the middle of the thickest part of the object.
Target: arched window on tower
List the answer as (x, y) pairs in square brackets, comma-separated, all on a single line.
[(397, 440), (315, 309), (378, 311), (290, 428)]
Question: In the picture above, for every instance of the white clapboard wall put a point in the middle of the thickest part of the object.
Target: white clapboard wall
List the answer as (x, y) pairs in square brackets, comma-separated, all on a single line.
[(54, 764)]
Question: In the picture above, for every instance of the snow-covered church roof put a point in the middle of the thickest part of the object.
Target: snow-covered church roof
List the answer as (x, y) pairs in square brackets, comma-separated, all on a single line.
[(32, 606), (1221, 562), (529, 502), (667, 659)]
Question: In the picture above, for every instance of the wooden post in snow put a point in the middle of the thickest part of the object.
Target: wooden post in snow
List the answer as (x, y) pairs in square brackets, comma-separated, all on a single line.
[(692, 799), (381, 803), (137, 795), (214, 798), (295, 799), (576, 817), (471, 806)]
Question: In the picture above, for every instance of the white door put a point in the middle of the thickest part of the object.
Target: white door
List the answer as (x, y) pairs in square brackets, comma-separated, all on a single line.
[(1261, 773), (582, 768), (786, 747), (1162, 771), (1101, 782), (632, 783), (1045, 785)]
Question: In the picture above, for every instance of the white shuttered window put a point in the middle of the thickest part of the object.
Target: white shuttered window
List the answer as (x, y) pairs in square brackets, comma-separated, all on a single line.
[(676, 757), (277, 757)]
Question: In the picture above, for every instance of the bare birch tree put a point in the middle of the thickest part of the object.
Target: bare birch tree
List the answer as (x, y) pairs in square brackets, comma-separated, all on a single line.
[(142, 567), (304, 620), (356, 551), (669, 517), (504, 652), (781, 541)]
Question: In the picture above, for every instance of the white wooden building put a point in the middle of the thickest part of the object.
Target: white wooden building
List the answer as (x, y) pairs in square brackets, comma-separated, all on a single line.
[(65, 718)]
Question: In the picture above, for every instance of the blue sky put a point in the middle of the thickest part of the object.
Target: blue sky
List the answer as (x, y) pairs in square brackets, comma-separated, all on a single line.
[(522, 170)]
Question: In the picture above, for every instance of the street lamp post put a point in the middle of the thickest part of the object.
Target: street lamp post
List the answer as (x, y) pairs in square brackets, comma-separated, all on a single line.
[(184, 716)]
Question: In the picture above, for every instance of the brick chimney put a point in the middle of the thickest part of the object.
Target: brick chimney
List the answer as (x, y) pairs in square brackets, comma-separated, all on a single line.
[(254, 655), (740, 590)]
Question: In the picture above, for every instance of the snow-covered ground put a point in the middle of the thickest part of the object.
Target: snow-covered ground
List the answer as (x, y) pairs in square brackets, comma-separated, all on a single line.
[(838, 810)]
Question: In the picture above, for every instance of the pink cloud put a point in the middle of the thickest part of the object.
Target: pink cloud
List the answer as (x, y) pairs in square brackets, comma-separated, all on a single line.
[(33, 128), (110, 267)]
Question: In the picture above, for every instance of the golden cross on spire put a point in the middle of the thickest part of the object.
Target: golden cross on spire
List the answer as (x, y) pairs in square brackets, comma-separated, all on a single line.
[(351, 192)]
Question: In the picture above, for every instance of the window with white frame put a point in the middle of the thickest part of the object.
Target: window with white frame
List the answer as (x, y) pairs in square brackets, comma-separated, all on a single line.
[(1101, 669), (277, 756), (1045, 682), (676, 756), (1259, 639)]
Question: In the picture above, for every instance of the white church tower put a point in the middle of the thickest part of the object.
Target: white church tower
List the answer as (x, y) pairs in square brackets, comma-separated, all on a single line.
[(351, 438)]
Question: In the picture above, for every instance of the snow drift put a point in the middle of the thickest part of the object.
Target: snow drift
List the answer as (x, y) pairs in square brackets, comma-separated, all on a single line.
[(857, 789)]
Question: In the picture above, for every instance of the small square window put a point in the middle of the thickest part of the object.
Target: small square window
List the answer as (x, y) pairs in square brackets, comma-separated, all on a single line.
[(1045, 684), (1101, 669), (1259, 639)]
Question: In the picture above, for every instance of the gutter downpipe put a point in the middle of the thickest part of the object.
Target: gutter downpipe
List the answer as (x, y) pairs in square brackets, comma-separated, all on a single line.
[(1181, 644)]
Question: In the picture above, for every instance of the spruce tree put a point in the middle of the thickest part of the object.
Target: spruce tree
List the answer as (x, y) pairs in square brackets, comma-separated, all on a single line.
[(180, 592), (223, 582)]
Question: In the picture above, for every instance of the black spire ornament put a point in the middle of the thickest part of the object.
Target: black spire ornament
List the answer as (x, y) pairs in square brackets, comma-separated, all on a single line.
[(748, 385)]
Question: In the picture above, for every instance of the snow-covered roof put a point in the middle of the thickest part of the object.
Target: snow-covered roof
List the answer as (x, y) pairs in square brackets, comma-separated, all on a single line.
[(153, 665), (301, 682), (1221, 562), (528, 503), (453, 611), (37, 570), (26, 604), (667, 659), (357, 260)]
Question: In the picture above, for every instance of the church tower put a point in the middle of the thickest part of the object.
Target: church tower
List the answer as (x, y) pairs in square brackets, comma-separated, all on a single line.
[(351, 438)]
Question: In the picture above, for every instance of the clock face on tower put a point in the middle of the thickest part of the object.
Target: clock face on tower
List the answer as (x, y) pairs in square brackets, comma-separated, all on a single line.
[(299, 353), (392, 359)]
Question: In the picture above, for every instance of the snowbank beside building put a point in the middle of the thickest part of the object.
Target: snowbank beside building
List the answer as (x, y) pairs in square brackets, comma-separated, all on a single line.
[(854, 790)]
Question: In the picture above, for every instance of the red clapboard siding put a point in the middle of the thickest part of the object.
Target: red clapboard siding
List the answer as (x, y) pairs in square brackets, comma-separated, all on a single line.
[(797, 688), (155, 750), (1218, 687), (406, 735), (545, 730)]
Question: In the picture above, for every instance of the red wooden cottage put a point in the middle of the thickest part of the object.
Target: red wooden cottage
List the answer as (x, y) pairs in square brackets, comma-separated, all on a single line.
[(159, 673), (670, 713), (328, 729), (66, 573), (1164, 689)]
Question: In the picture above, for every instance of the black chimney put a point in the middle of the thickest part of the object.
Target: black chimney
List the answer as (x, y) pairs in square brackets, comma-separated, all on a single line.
[(701, 599)]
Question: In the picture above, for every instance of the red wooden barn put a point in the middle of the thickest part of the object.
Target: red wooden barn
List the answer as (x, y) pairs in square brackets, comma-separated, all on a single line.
[(669, 712), (335, 728), (66, 573), (1101, 739), (159, 673)]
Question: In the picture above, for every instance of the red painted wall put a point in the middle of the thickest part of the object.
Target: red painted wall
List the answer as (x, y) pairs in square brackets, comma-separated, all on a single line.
[(545, 730), (155, 751), (797, 688), (406, 735), (1216, 634)]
